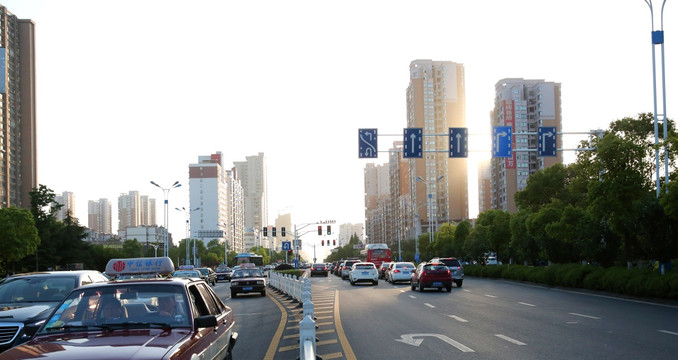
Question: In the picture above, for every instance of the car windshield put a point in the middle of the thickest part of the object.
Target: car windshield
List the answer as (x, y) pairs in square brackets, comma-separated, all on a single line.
[(435, 267), (222, 269), (121, 306), (204, 272), (184, 273), (36, 289), (247, 273)]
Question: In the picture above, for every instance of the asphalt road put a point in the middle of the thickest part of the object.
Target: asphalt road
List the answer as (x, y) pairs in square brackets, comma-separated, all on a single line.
[(485, 319)]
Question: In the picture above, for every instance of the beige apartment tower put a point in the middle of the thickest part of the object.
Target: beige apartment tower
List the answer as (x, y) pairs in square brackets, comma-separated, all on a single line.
[(18, 143), (524, 105), (436, 101)]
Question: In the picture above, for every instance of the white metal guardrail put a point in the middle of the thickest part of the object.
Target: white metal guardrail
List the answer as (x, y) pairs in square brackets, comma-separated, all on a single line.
[(299, 289)]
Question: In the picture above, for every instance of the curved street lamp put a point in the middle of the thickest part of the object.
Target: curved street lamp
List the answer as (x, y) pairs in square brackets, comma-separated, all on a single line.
[(166, 193), (188, 242)]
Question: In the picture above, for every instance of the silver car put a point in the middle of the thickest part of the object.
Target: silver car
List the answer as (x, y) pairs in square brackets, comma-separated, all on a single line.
[(346, 268), (400, 271), (456, 269)]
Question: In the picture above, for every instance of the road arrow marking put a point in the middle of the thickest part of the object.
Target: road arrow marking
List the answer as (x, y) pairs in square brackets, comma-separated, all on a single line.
[(410, 340)]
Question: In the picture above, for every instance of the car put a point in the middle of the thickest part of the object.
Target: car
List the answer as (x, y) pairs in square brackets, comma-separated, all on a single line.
[(400, 271), (319, 269), (456, 268), (346, 268), (26, 300), (382, 269), (247, 280), (194, 274), (431, 275), (492, 260), (223, 273), (208, 275), (363, 272), (156, 318)]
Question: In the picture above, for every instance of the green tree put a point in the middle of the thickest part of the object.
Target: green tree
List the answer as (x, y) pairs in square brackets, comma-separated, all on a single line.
[(18, 236), (132, 249), (460, 234), (478, 243), (498, 223)]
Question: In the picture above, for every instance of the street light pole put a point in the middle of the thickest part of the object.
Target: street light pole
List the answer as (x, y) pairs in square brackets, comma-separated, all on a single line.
[(430, 202), (188, 241), (658, 39), (166, 193)]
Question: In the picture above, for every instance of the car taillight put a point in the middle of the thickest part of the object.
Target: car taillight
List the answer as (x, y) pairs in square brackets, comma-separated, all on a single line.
[(345, 267), (396, 271), (324, 269), (448, 272)]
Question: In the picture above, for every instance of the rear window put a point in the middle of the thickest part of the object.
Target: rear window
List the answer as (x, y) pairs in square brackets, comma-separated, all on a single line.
[(435, 267), (450, 262), (405, 266), (364, 266)]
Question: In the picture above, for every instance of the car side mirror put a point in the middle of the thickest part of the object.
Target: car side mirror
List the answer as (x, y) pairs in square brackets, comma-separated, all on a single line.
[(206, 321)]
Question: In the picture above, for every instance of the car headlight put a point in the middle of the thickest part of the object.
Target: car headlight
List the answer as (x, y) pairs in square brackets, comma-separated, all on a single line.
[(260, 282)]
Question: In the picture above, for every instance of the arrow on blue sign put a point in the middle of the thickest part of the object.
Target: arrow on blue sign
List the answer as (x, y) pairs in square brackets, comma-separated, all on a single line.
[(413, 140), (286, 245), (458, 140), (367, 143), (547, 140), (501, 141)]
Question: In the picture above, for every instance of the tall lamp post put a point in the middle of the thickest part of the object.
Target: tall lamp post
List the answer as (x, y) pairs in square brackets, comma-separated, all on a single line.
[(430, 200), (166, 193), (188, 240), (658, 39)]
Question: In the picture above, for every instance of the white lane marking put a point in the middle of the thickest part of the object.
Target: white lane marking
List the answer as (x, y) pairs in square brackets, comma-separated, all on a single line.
[(668, 332), (509, 339), (466, 290), (490, 296), (413, 297), (429, 305), (586, 316), (457, 318), (526, 304)]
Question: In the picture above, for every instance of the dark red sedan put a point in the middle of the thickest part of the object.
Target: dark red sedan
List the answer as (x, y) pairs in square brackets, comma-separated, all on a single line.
[(431, 275)]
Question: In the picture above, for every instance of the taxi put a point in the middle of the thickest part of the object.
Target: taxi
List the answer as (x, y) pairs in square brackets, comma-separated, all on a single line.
[(156, 318), (247, 279)]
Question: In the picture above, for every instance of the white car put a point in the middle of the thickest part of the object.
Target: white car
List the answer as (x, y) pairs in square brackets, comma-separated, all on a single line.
[(400, 271), (363, 271)]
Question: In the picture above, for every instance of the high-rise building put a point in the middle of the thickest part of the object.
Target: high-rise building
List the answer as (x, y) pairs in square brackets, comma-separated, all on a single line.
[(253, 177), (484, 187), (99, 216), (135, 210), (67, 201), (216, 202), (18, 144), (524, 105), (147, 206), (347, 230), (377, 203), (436, 101)]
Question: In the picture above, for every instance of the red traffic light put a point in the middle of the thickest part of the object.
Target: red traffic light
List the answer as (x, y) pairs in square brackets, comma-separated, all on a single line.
[(322, 242), (334, 242), (320, 230)]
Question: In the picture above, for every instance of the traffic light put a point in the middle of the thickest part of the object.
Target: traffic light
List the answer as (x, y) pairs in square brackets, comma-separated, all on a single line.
[(322, 242), (282, 231), (265, 229), (273, 231), (290, 251), (334, 241), (320, 230), (329, 230)]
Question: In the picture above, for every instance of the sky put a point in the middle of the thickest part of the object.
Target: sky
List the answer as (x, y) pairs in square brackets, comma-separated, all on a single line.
[(131, 91)]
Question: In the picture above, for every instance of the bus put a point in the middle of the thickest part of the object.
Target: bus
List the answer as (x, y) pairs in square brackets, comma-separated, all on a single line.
[(376, 254), (253, 258)]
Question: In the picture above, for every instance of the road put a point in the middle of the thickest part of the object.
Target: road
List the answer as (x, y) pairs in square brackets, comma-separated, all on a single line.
[(486, 319)]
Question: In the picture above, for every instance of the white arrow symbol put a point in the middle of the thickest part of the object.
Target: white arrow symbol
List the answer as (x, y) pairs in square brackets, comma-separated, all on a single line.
[(410, 340), (543, 140), (458, 142), (413, 137)]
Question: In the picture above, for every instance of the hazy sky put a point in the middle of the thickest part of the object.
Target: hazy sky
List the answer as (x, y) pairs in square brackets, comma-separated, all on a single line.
[(134, 91)]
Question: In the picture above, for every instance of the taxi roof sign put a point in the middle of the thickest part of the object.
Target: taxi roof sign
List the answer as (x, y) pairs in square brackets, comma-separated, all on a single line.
[(155, 265)]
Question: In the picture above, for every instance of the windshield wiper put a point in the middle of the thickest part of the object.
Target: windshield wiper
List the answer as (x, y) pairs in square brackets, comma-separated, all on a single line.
[(68, 327)]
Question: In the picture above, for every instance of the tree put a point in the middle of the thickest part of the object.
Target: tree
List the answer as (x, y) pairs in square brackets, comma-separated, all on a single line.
[(18, 235), (498, 231), (460, 234)]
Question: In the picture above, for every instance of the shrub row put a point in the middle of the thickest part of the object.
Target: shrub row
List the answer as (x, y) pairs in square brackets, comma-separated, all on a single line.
[(634, 282)]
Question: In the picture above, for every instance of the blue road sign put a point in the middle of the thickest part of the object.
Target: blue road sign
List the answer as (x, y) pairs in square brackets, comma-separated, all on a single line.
[(458, 142), (287, 245), (547, 140), (367, 143), (413, 139), (501, 141)]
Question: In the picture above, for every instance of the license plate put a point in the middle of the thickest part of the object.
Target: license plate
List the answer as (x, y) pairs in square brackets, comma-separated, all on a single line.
[(406, 272), (365, 273), (438, 283), (247, 288)]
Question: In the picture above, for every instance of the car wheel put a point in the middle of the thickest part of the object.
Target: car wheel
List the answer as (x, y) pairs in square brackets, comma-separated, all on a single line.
[(263, 292), (376, 282), (352, 283), (449, 288), (459, 283), (233, 294), (420, 288)]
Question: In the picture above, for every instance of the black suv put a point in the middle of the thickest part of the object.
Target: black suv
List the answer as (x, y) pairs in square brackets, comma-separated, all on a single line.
[(456, 269), (26, 300), (208, 275)]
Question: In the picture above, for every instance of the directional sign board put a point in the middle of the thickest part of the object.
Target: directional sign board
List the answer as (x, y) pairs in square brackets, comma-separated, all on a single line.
[(413, 139), (458, 141), (287, 245), (367, 143), (501, 141), (547, 140)]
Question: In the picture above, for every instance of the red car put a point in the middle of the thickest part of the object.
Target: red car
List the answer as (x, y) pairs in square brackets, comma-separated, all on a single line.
[(431, 275)]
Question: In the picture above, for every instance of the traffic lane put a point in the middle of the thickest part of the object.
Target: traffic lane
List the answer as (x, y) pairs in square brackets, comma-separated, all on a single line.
[(571, 324), (256, 321)]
